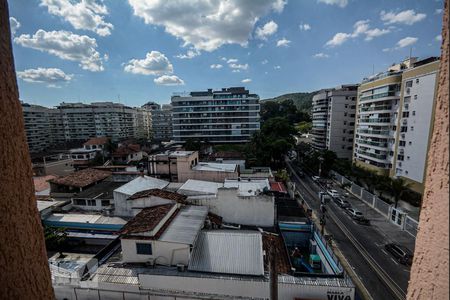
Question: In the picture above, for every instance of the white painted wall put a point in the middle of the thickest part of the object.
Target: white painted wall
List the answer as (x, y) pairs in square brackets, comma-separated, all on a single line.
[(165, 253)]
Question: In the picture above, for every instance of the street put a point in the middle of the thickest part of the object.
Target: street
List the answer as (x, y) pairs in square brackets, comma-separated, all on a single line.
[(362, 246)]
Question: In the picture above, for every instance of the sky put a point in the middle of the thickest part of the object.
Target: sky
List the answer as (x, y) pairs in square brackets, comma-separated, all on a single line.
[(137, 51)]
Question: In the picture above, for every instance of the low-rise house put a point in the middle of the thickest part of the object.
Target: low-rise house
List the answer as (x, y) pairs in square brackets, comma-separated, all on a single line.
[(67, 186), (97, 143), (91, 148), (122, 205), (41, 185), (128, 153), (183, 165), (98, 197)]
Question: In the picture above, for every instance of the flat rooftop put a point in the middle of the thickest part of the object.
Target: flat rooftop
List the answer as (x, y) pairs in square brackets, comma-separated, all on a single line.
[(215, 167), (194, 187), (248, 187), (141, 183), (102, 190)]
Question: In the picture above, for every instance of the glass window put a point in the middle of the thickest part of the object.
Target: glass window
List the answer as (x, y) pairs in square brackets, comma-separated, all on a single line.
[(409, 83), (105, 203), (79, 202), (145, 249), (91, 203)]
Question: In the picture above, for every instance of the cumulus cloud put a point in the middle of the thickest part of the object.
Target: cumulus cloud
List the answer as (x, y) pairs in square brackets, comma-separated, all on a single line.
[(304, 27), (405, 42), (85, 14), (65, 45), (408, 17), (232, 60), (191, 53), (50, 76), (216, 66), (246, 80), (264, 62), (238, 66), (267, 30), (205, 24), (277, 67), (283, 42), (340, 3), (438, 11), (154, 63), (360, 28), (321, 55), (168, 80), (14, 24)]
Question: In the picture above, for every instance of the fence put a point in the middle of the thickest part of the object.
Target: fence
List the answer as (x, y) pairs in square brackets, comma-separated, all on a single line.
[(408, 224)]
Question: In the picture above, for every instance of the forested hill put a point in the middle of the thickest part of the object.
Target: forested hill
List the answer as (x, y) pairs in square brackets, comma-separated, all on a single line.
[(303, 101)]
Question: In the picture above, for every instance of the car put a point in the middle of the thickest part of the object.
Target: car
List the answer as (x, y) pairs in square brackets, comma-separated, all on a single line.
[(315, 178), (333, 193), (342, 203), (345, 194), (354, 213), (363, 221), (402, 254), (301, 174)]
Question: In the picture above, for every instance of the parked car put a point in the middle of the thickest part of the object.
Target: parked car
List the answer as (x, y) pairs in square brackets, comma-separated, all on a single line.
[(363, 221), (315, 178), (401, 253), (354, 213), (342, 203), (346, 194), (333, 193)]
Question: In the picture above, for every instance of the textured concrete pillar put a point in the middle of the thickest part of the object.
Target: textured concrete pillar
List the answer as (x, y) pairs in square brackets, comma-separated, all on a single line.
[(24, 271), (430, 270)]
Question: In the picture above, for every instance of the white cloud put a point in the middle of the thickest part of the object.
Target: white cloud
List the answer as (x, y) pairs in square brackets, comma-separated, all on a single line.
[(85, 14), (267, 30), (191, 53), (205, 24), (246, 80), (407, 41), (321, 55), (232, 60), (438, 11), (154, 63), (65, 45), (216, 66), (277, 67), (304, 27), (168, 80), (438, 38), (50, 76), (283, 42), (236, 71), (340, 3), (264, 62), (14, 24), (238, 66), (407, 17), (338, 39), (387, 49), (360, 28)]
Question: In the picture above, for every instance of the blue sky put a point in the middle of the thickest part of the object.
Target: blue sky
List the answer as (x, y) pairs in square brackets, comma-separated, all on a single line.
[(135, 51)]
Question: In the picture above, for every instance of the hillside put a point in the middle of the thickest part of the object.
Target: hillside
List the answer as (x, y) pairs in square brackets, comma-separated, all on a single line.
[(303, 101)]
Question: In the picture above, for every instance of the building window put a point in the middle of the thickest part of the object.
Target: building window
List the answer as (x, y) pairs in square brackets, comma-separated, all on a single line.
[(345, 114), (415, 97), (405, 114), (105, 203), (79, 202), (402, 143), (409, 83), (409, 143), (417, 81), (91, 203), (144, 249), (344, 130), (412, 128), (400, 157)]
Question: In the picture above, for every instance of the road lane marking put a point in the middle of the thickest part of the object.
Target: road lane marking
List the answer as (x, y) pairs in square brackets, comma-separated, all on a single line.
[(394, 261), (385, 252)]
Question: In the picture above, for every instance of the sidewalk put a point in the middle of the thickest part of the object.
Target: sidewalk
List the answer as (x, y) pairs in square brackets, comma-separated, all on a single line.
[(390, 231)]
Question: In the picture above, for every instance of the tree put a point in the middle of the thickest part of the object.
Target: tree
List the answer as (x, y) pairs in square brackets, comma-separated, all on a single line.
[(397, 187), (192, 145), (304, 127)]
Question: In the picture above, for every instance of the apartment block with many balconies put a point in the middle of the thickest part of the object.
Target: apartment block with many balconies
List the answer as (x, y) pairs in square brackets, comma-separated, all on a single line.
[(230, 115), (394, 120), (333, 115)]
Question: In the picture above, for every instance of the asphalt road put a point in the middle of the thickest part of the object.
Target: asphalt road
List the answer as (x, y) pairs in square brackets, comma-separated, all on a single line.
[(362, 246)]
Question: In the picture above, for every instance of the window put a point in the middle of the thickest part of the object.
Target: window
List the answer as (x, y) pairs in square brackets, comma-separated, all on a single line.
[(405, 114), (415, 97), (417, 81), (345, 122), (409, 143), (343, 139), (79, 201), (345, 114), (105, 203), (144, 249), (412, 128), (409, 83), (400, 157), (402, 143), (346, 106), (91, 203), (414, 113), (352, 115), (344, 130), (404, 129)]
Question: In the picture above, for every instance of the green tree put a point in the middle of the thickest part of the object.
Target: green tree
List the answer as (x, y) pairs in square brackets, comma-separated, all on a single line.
[(304, 127), (397, 187), (192, 145)]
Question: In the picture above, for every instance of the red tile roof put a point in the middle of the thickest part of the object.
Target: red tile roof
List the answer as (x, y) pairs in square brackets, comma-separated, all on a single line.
[(278, 187), (41, 182), (147, 219), (159, 193), (97, 141), (82, 178), (128, 149)]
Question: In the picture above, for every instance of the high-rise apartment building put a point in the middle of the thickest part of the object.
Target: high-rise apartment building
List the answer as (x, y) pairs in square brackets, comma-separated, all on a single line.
[(162, 123), (333, 118), (38, 126), (230, 115), (394, 120)]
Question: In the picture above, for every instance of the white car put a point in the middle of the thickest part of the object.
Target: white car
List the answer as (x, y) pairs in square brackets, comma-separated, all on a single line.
[(333, 193), (315, 178), (355, 214)]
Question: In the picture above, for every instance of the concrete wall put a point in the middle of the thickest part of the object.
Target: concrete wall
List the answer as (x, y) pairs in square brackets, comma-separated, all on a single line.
[(124, 207), (165, 253)]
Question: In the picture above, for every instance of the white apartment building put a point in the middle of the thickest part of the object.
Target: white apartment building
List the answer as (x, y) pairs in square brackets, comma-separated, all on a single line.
[(395, 119), (162, 123), (333, 115), (230, 115)]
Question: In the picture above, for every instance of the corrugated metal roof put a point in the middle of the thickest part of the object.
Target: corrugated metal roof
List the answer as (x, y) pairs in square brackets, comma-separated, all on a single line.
[(141, 183), (194, 187), (228, 252), (186, 225)]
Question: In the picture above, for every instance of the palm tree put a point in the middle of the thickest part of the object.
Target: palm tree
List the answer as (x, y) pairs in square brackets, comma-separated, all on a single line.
[(397, 187)]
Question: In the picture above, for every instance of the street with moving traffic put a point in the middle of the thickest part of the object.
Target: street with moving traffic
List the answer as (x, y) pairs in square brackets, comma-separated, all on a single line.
[(363, 246)]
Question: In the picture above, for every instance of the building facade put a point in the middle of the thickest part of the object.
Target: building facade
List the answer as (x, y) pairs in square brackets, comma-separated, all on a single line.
[(333, 117), (230, 115), (394, 120), (162, 123)]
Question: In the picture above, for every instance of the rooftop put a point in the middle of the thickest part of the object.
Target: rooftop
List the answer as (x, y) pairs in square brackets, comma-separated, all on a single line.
[(102, 190), (185, 227), (147, 219), (141, 183), (216, 167), (228, 252), (194, 187), (127, 149), (158, 193), (84, 218), (96, 141), (248, 187), (82, 178), (41, 183)]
